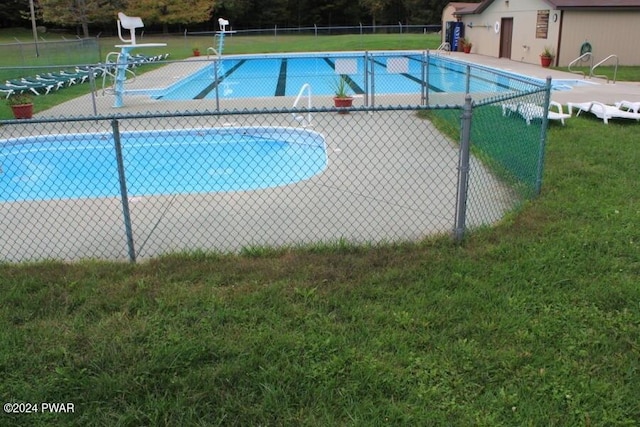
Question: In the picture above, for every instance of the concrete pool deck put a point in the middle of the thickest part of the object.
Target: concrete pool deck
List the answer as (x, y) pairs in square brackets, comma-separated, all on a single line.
[(352, 200), (373, 190)]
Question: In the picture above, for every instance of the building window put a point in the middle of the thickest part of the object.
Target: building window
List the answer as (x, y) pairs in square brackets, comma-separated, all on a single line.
[(542, 24)]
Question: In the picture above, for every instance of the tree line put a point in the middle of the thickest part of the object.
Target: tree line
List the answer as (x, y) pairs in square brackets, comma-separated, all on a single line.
[(92, 16)]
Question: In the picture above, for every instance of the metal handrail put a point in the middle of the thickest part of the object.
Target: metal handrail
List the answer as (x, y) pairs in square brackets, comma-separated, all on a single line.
[(615, 71), (581, 58), (298, 117), (108, 71), (444, 47)]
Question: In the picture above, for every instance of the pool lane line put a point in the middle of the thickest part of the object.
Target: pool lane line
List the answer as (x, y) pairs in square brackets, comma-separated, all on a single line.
[(282, 78), (204, 92), (353, 85)]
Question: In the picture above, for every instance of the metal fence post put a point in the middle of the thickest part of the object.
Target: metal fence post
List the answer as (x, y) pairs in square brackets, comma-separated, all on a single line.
[(463, 169), (373, 83), (217, 82), (92, 83), (543, 136), (366, 78), (425, 78), (123, 190), (468, 81)]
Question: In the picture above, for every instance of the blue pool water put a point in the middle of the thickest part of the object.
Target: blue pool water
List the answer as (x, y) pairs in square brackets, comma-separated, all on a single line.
[(159, 162), (388, 73)]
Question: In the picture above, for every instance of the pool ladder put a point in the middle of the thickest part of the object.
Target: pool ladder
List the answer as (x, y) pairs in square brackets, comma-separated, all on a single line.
[(300, 118), (109, 71)]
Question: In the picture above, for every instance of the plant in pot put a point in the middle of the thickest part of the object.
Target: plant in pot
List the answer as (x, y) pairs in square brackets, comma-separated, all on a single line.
[(342, 98), (546, 57), (466, 45), (21, 104), (196, 51)]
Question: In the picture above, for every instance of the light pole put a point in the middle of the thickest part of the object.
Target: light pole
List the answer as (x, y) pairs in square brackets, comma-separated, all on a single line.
[(33, 27)]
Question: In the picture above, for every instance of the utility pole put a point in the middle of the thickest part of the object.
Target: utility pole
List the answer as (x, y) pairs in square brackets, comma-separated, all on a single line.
[(33, 27)]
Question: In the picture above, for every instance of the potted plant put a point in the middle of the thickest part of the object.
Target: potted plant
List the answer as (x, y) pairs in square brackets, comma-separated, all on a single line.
[(21, 104), (466, 45), (546, 57), (196, 51), (342, 98)]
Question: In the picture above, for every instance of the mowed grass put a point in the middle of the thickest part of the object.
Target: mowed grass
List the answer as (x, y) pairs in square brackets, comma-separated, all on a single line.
[(534, 322)]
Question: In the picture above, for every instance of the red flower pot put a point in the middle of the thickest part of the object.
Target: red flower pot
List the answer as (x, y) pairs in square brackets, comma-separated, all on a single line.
[(343, 103), (22, 111)]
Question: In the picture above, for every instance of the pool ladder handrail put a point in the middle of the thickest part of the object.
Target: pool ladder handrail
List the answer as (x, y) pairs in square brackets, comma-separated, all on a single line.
[(109, 70), (444, 47), (583, 57), (615, 70), (299, 117)]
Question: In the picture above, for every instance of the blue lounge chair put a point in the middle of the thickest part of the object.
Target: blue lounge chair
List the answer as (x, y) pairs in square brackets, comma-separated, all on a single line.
[(57, 84), (66, 80), (19, 88), (4, 89), (36, 88)]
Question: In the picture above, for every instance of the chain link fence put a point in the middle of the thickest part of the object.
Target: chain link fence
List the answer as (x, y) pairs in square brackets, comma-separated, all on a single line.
[(408, 161)]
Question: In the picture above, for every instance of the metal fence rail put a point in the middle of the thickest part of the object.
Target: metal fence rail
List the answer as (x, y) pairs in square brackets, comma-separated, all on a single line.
[(132, 185)]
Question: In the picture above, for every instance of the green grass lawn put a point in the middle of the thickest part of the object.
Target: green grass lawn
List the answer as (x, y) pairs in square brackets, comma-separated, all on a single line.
[(535, 322)]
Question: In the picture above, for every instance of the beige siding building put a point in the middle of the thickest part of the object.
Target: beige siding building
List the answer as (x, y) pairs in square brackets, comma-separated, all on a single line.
[(521, 29)]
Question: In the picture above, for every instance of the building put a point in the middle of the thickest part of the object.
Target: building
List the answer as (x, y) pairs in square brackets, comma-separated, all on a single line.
[(521, 29)]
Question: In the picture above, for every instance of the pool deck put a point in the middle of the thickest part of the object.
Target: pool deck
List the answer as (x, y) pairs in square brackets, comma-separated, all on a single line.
[(593, 89)]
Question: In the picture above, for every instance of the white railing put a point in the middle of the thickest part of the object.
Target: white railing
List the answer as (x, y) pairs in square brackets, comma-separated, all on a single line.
[(299, 117), (615, 71), (112, 60), (444, 47), (584, 57)]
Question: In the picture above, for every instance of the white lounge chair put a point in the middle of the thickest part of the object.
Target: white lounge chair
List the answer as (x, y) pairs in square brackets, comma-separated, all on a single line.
[(603, 111), (628, 106), (530, 111)]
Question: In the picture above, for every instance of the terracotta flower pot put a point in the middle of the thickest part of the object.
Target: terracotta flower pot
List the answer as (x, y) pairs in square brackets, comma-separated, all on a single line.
[(545, 61), (22, 111), (343, 103)]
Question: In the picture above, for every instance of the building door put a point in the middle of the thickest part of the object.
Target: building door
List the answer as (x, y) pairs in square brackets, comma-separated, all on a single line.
[(506, 37)]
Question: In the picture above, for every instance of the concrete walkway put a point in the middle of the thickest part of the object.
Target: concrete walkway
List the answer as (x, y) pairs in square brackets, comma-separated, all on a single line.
[(593, 89)]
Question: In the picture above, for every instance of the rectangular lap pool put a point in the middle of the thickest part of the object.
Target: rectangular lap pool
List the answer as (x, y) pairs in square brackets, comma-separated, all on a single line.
[(366, 72)]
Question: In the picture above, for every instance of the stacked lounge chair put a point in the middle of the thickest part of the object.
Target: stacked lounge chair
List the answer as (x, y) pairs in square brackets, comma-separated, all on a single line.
[(606, 112), (530, 111)]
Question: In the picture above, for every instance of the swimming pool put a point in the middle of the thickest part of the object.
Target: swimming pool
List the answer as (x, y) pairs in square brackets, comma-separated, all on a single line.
[(72, 166), (382, 73)]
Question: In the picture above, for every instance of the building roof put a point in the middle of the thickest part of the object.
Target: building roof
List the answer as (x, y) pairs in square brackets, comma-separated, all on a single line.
[(475, 8)]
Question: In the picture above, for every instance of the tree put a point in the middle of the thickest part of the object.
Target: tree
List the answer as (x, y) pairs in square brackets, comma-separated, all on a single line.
[(167, 12), (78, 12), (374, 8), (14, 13)]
